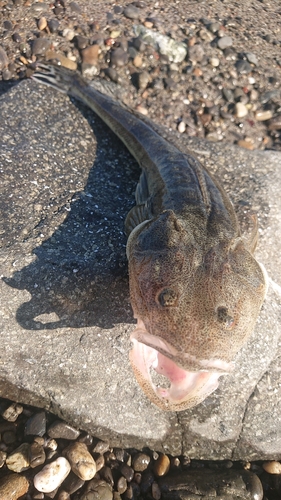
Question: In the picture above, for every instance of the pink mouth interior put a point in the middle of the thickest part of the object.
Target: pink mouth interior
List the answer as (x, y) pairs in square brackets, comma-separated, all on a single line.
[(187, 388)]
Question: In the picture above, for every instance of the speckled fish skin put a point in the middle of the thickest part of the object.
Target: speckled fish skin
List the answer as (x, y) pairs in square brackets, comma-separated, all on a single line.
[(196, 289)]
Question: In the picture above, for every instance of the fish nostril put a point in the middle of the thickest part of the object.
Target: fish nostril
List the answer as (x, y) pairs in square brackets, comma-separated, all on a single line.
[(224, 317)]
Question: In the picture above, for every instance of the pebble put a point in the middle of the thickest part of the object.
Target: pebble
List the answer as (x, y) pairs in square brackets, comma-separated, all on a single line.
[(127, 471), (224, 42), (272, 467), (40, 46), (132, 12), (215, 62), (101, 447), (81, 461), (263, 115), (36, 455), (72, 483), (18, 460), (39, 7), (3, 456), (14, 410), (137, 62), (240, 110), (156, 492), (121, 485), (74, 7), (13, 487), (181, 127), (246, 144), (161, 465), (118, 57), (90, 54), (98, 490), (243, 67), (196, 53), (252, 58), (63, 430), (53, 25), (275, 123), (143, 79), (68, 34), (16, 37), (65, 62), (36, 425), (140, 462), (42, 23), (52, 475)]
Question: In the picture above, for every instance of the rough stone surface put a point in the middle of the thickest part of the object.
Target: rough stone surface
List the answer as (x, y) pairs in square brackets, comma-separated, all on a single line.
[(65, 312)]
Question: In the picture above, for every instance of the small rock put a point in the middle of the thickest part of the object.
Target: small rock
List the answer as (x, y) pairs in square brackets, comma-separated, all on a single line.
[(81, 461), (18, 460), (106, 474), (90, 55), (40, 46), (268, 95), (262, 116), (252, 58), (68, 34), (16, 37), (275, 123), (272, 467), (162, 465), (72, 483), (132, 12), (143, 79), (224, 42), (9, 437), (53, 25), (140, 462), (117, 9), (65, 62), (101, 447), (36, 455), (196, 53), (139, 44), (14, 410), (243, 67), (3, 456), (137, 62), (121, 485), (97, 489), (240, 110), (247, 144), (63, 430), (74, 7), (215, 62), (42, 23), (127, 472), (36, 425), (13, 487), (228, 94), (52, 475), (118, 57), (156, 492), (197, 72), (181, 127)]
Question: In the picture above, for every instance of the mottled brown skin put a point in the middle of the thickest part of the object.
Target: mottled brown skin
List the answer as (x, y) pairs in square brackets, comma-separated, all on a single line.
[(195, 287)]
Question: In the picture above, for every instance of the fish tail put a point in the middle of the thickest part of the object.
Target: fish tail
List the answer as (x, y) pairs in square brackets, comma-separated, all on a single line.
[(57, 77)]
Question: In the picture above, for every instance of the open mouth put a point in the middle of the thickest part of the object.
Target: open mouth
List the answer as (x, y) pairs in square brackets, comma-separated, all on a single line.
[(187, 387)]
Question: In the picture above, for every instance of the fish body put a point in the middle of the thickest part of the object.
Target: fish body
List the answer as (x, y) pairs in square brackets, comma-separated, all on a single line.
[(196, 289)]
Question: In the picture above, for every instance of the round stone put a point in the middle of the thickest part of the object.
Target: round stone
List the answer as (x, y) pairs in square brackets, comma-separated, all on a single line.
[(14, 410), (224, 42), (240, 110), (272, 467), (40, 46), (81, 461), (127, 472), (36, 424), (121, 485), (63, 430), (132, 12), (36, 455), (42, 23), (140, 462), (98, 489), (90, 55), (162, 465), (52, 475), (18, 460), (262, 116), (13, 486), (118, 57), (243, 67)]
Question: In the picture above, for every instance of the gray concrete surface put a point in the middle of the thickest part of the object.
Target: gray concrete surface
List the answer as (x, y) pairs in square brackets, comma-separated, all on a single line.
[(65, 313)]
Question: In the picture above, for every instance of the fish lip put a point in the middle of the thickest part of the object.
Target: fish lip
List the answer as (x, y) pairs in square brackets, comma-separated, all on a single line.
[(188, 387), (187, 361)]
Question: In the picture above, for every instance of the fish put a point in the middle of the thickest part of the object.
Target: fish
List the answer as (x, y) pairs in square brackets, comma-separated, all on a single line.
[(196, 289)]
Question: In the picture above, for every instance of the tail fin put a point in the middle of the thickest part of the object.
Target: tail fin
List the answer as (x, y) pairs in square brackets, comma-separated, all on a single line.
[(57, 77)]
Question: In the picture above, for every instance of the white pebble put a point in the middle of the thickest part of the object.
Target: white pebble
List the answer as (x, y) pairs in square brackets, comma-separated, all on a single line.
[(181, 127), (52, 475), (240, 110), (215, 62), (272, 467)]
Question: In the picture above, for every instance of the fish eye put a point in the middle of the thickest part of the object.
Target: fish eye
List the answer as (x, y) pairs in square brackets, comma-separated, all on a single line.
[(224, 317), (167, 297)]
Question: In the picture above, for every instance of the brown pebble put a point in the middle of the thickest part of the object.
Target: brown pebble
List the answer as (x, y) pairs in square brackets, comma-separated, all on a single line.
[(63, 495), (3, 456), (42, 23), (127, 472), (272, 467), (156, 492), (36, 455), (90, 55), (65, 62), (63, 430), (14, 410), (148, 24), (81, 461), (275, 123), (262, 116), (140, 462), (137, 61), (100, 462), (162, 465), (121, 485), (246, 144), (101, 447), (197, 72), (19, 460), (13, 487)]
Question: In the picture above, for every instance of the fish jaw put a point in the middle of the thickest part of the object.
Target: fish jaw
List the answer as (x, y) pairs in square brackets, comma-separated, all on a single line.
[(187, 388)]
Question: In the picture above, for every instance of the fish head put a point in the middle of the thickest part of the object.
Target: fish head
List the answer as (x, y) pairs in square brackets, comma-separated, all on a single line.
[(195, 305)]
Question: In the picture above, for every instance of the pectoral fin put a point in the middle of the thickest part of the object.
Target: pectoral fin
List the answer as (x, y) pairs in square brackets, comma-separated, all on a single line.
[(135, 217)]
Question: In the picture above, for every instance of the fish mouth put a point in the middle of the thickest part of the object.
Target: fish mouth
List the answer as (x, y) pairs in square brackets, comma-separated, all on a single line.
[(188, 387)]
